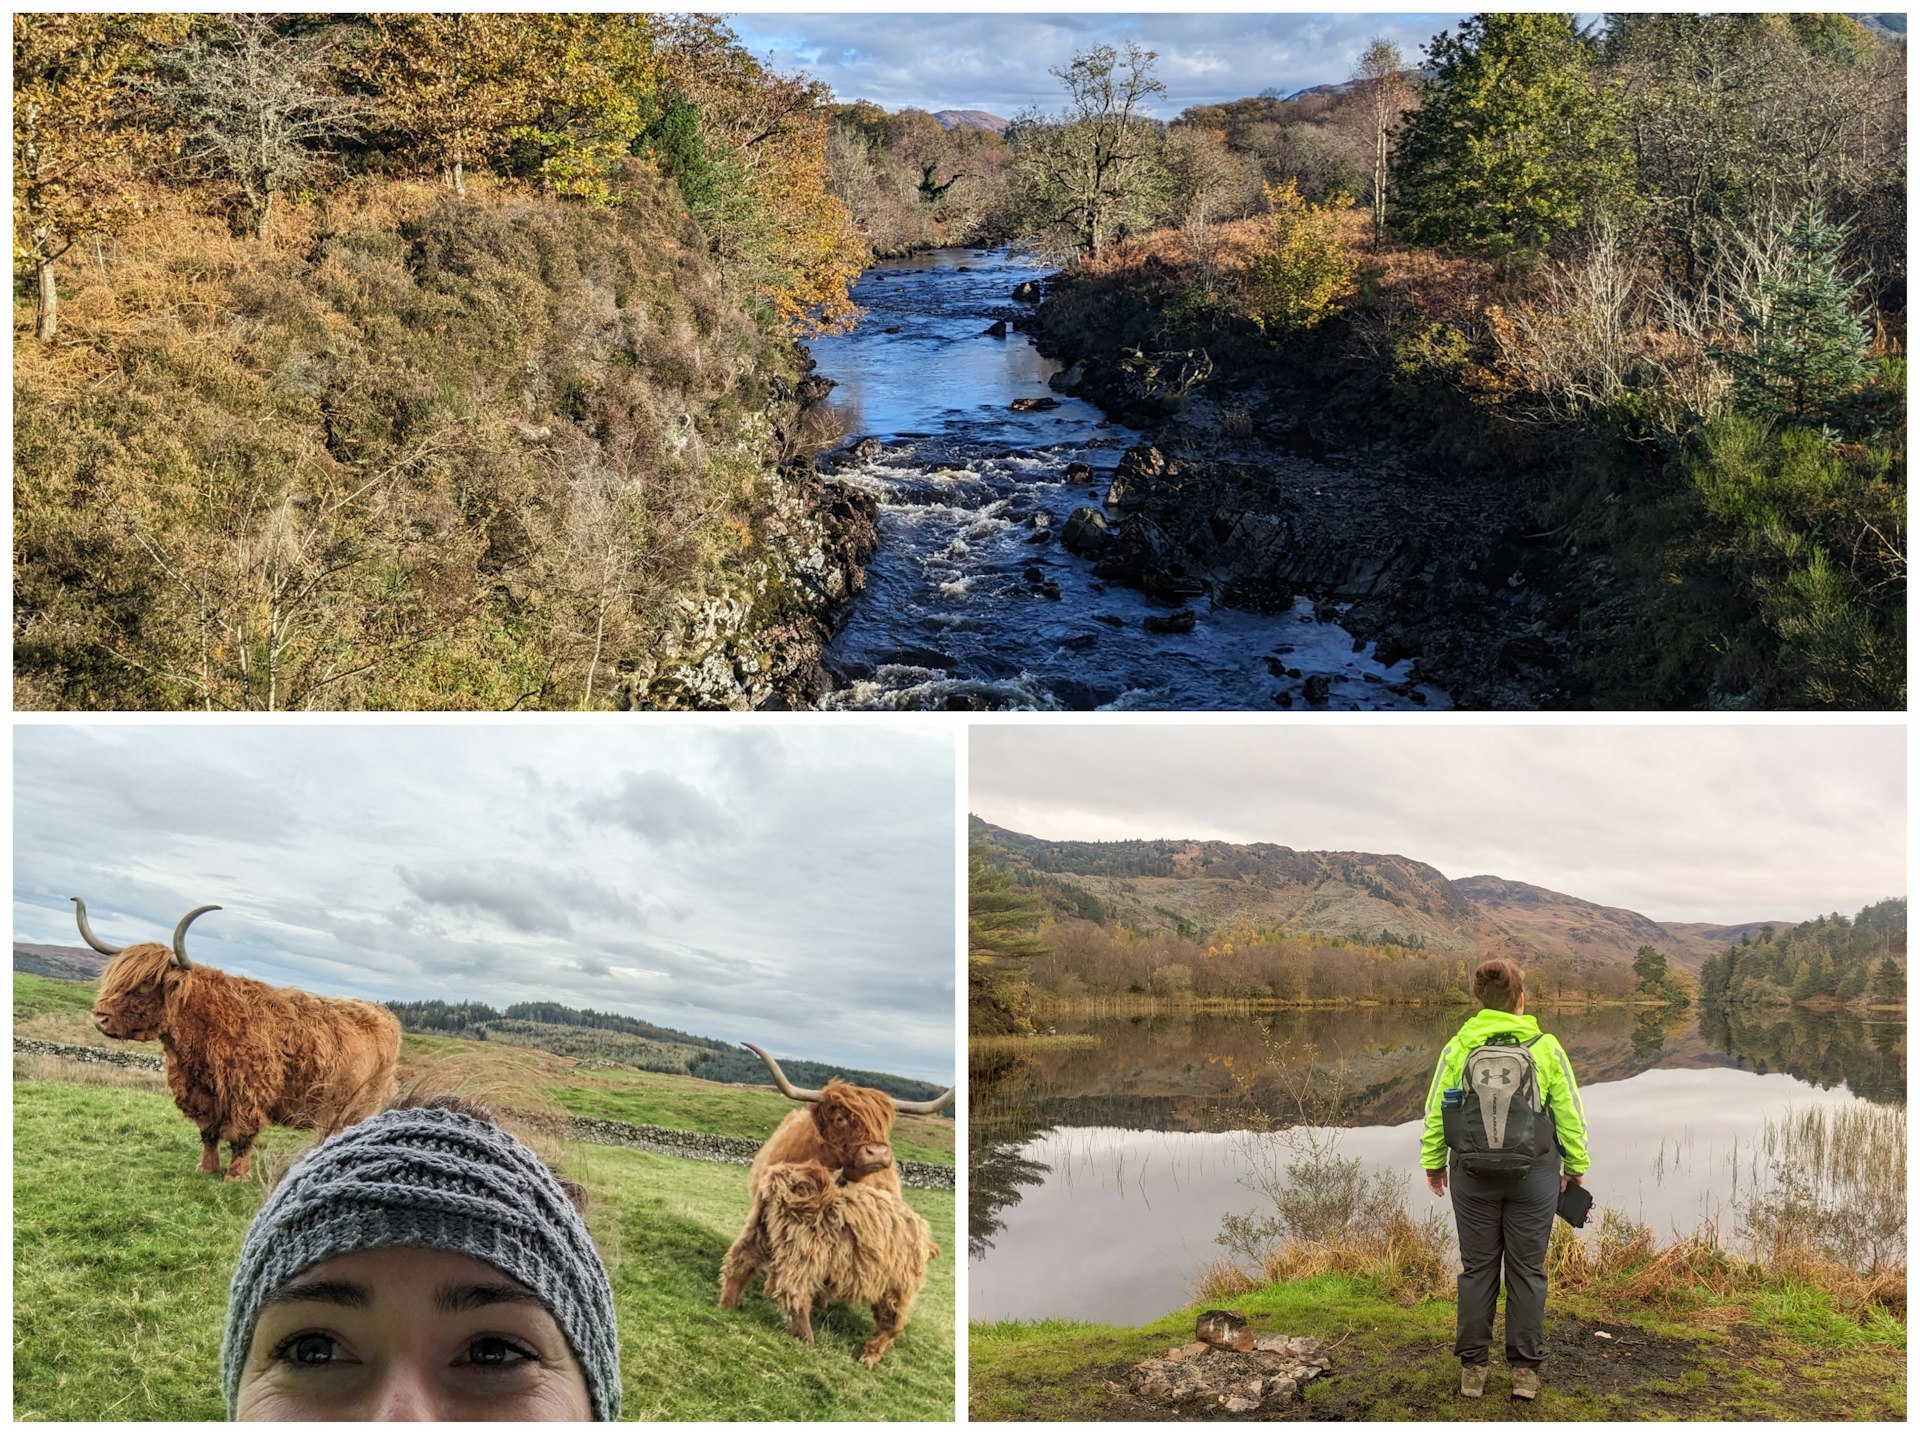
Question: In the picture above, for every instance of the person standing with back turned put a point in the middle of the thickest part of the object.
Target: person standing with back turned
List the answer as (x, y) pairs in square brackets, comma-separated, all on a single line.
[(1505, 1103)]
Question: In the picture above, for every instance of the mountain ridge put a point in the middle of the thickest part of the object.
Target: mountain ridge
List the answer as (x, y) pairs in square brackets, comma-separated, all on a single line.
[(1193, 887)]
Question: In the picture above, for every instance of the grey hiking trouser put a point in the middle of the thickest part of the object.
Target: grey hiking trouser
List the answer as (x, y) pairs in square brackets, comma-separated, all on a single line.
[(1504, 1223)]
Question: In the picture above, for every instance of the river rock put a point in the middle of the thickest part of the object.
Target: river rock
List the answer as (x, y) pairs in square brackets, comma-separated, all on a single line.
[(865, 450), (997, 329), (1027, 293), (1144, 555), (1077, 473), (1140, 468), (1319, 688), (1041, 518), (1181, 622), (1086, 533), (1069, 379), (1034, 405), (813, 388)]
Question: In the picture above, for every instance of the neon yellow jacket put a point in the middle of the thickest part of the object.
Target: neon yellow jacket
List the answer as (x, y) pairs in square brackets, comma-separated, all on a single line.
[(1559, 1093)]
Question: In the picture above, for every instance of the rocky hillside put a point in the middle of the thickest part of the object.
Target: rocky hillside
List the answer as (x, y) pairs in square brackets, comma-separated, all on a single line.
[(971, 119), (1202, 887)]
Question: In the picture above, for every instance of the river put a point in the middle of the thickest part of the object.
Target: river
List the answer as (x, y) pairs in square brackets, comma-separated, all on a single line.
[(1099, 1176), (971, 601)]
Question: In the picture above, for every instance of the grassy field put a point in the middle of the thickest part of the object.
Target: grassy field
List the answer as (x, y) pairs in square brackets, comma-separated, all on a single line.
[(1787, 1354), (515, 1077), (122, 1255)]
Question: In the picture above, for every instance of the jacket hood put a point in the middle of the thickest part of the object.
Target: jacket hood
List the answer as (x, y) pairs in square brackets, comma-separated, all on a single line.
[(1483, 1024)]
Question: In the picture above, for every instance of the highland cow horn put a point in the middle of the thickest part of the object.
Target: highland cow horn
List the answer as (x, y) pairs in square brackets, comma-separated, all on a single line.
[(80, 911), (921, 1108), (180, 935), (798, 1093)]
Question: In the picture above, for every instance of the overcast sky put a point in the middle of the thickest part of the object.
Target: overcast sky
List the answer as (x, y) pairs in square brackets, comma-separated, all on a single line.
[(789, 886), (1705, 824), (999, 62)]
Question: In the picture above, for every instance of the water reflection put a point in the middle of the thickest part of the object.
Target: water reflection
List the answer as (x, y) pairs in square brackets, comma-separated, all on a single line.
[(1100, 1174)]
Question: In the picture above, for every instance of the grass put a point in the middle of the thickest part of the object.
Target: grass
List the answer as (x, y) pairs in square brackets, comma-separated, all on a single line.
[(526, 1079), (1791, 1356), (43, 996), (979, 1046), (122, 1254)]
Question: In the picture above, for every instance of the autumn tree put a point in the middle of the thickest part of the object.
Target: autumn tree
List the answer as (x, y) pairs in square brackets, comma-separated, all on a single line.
[(1302, 270), (771, 218), (257, 107), (451, 87), (1093, 169), (590, 101), (76, 139), (1516, 140), (1382, 78)]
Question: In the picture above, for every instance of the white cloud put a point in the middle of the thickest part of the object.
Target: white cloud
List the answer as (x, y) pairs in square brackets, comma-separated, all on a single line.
[(790, 885), (1681, 823)]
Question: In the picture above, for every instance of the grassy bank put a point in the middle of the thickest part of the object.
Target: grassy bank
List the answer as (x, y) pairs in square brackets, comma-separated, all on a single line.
[(515, 1078), (122, 1255), (1788, 1354)]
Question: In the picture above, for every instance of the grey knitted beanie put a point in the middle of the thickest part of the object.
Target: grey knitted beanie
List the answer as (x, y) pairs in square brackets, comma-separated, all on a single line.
[(437, 1180)]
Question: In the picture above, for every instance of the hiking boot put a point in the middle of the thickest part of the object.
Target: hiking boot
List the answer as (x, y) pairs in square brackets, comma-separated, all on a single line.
[(1526, 1382), (1473, 1381)]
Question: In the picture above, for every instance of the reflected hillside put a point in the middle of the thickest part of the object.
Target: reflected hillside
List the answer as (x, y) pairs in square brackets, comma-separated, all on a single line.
[(1828, 1049), (1191, 1071)]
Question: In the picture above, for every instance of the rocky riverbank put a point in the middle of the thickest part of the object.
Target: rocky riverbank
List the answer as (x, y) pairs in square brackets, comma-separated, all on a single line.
[(757, 643), (1250, 494)]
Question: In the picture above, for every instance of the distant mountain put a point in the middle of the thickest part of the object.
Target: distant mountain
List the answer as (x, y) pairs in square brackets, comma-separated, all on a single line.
[(971, 119), (1197, 889), (73, 964)]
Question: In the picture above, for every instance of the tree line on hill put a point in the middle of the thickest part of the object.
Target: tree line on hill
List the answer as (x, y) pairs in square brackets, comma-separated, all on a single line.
[(629, 1041), (1029, 937), (249, 113), (1829, 960)]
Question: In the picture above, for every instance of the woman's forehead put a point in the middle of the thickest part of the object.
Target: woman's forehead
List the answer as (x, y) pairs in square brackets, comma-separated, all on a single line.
[(362, 1277)]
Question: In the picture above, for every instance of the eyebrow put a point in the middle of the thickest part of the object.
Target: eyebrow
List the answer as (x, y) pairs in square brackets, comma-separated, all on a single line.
[(347, 1293), (451, 1300)]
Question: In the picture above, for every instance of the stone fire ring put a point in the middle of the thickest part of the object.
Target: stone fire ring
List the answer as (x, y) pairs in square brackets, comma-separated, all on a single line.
[(1229, 1368)]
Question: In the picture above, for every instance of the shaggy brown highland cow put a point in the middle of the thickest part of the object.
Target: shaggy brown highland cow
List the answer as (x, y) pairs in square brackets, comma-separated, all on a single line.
[(860, 1243), (241, 1055), (845, 1128)]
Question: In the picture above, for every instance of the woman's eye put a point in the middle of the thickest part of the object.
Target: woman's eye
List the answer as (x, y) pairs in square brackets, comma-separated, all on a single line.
[(310, 1349), (495, 1350)]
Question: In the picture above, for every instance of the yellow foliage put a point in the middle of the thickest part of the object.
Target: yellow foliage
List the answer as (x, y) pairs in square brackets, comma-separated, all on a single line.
[(1302, 269)]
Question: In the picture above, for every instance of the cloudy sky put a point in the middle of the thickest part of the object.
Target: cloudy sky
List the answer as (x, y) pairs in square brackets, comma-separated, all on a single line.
[(789, 886), (1695, 823), (999, 62)]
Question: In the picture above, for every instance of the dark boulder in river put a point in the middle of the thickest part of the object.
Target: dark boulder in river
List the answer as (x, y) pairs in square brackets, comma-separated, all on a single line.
[(997, 329), (1181, 622), (1028, 406), (1027, 293), (1086, 533)]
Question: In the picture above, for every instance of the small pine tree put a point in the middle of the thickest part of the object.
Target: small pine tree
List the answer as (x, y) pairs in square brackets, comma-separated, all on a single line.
[(1806, 352), (1889, 982)]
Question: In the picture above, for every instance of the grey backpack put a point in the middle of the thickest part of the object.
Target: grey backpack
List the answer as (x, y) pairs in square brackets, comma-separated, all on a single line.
[(1493, 1120)]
